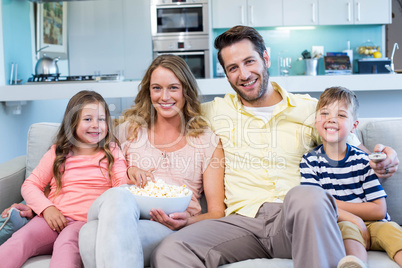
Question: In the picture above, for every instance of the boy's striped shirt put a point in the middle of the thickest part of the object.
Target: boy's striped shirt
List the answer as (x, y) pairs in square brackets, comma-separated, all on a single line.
[(350, 179)]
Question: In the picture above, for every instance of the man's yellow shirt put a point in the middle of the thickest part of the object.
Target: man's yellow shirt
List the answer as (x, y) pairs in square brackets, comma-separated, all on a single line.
[(262, 158)]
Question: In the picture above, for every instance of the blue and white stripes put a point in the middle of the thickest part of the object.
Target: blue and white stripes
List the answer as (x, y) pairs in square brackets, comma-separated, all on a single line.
[(350, 179)]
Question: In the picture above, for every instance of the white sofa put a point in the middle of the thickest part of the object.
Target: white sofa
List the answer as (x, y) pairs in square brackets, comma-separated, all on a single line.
[(370, 131)]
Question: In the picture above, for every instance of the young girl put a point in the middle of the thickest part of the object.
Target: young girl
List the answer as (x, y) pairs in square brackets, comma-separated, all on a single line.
[(82, 164)]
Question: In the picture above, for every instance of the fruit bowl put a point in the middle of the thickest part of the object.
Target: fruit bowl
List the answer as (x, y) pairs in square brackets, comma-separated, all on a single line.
[(160, 195), (368, 49)]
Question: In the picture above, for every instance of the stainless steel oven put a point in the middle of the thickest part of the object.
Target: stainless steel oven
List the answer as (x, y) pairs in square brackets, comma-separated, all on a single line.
[(185, 17), (194, 50)]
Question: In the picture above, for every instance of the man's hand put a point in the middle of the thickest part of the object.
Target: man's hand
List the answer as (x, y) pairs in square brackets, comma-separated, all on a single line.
[(25, 211), (388, 166), (54, 218)]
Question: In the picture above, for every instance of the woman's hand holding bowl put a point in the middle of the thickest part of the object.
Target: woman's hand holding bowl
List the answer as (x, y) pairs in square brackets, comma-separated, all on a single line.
[(174, 221)]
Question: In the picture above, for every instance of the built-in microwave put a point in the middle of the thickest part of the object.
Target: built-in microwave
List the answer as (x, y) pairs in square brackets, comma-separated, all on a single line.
[(185, 17)]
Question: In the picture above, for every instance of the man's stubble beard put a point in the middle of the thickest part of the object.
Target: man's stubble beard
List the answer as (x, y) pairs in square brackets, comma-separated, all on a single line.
[(263, 88)]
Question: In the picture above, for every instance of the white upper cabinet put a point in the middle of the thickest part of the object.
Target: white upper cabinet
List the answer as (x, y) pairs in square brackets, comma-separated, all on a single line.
[(227, 13), (300, 12), (255, 13), (101, 42), (265, 13), (338, 12), (373, 11)]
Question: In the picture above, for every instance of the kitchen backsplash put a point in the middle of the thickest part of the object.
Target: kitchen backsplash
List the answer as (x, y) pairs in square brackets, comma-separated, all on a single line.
[(291, 42)]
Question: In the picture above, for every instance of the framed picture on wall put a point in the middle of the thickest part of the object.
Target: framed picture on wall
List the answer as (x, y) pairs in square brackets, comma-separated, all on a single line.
[(51, 31)]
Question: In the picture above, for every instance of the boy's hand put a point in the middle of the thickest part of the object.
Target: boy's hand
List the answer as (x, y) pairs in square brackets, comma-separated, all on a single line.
[(139, 176), (387, 167), (54, 218), (25, 211)]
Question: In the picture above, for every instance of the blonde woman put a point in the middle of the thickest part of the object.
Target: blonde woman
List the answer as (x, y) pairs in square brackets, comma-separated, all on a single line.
[(163, 136)]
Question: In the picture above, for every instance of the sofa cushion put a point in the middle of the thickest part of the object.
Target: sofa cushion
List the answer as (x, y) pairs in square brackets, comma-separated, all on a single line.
[(40, 137), (41, 261), (12, 175), (386, 131), (261, 263), (378, 259)]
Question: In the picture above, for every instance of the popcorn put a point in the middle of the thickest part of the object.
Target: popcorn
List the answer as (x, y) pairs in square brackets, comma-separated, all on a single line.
[(160, 189)]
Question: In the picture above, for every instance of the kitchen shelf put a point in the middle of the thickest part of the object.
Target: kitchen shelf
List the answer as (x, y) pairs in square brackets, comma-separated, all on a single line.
[(218, 86)]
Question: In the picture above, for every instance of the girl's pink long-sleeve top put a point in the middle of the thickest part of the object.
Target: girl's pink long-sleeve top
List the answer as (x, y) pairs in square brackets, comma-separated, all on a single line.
[(83, 181)]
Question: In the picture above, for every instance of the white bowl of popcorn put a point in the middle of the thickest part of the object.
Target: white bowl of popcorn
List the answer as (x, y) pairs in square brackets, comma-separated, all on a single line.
[(160, 195)]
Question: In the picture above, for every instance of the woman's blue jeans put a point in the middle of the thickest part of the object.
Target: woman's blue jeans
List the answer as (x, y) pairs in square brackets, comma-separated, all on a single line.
[(114, 236)]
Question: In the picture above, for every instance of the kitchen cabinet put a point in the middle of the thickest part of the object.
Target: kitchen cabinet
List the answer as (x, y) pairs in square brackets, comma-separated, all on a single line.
[(300, 12), (260, 13), (254, 13), (336, 12), (372, 11), (343, 12), (109, 37)]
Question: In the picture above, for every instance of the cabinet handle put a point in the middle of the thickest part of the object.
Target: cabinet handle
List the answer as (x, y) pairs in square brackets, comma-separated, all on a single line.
[(313, 10), (241, 14), (358, 11), (251, 8), (349, 18)]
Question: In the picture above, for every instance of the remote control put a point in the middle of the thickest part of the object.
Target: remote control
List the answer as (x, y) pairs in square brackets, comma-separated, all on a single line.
[(377, 156)]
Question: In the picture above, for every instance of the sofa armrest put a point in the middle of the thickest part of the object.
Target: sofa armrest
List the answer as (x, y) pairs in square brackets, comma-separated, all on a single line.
[(12, 175)]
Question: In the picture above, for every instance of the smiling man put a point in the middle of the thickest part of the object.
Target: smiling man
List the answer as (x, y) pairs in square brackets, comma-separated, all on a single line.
[(264, 131), (247, 73)]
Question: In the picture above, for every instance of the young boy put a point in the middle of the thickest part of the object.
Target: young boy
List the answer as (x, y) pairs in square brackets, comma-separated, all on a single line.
[(344, 171)]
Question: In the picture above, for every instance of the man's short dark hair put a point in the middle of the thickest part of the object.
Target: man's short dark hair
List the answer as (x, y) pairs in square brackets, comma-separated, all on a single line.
[(236, 34)]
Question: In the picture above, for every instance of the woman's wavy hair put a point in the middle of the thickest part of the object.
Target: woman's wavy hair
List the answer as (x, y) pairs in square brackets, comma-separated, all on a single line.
[(67, 138), (142, 113)]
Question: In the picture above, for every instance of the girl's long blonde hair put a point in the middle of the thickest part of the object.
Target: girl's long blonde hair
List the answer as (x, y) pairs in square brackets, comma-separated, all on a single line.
[(67, 137), (142, 113)]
